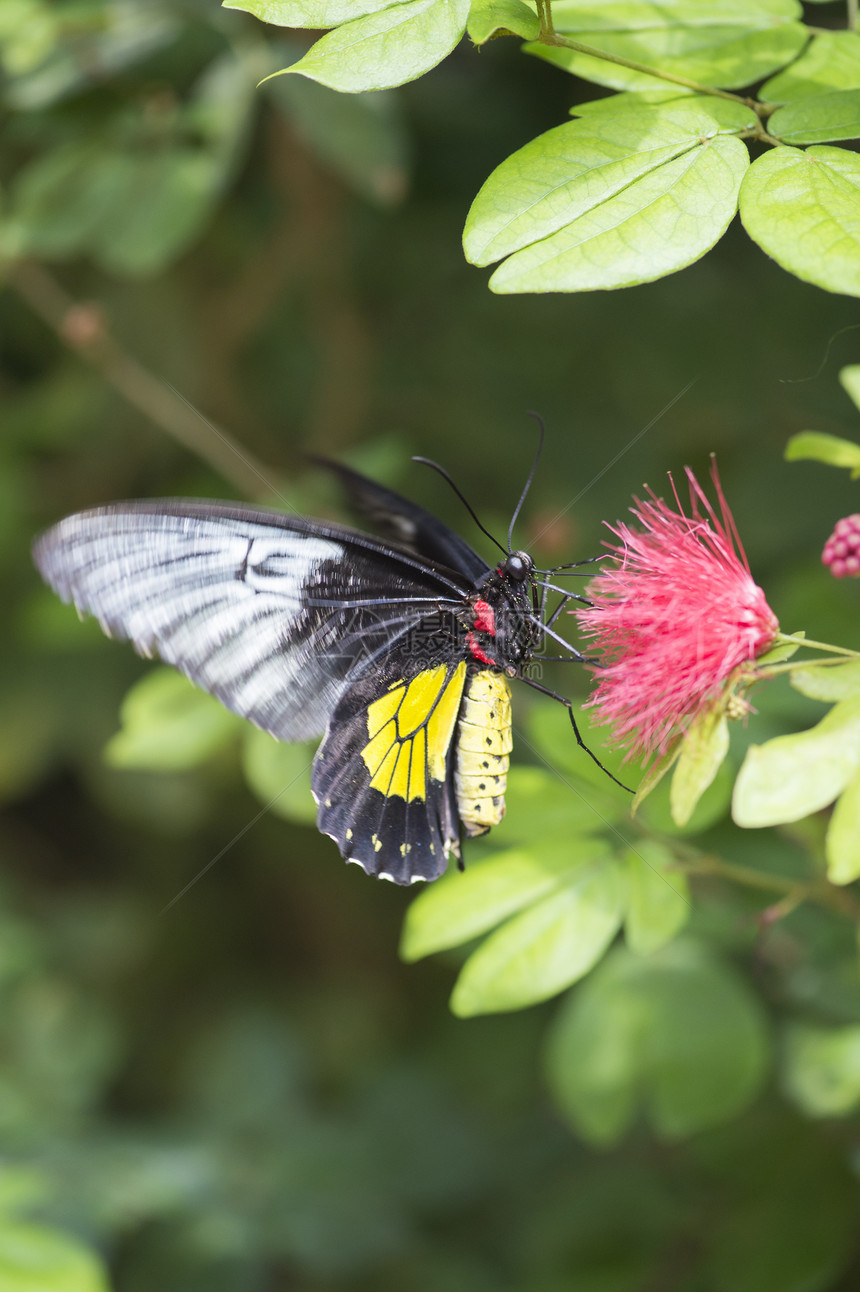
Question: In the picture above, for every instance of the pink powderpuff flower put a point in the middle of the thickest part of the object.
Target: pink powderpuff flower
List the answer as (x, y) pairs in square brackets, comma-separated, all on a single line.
[(842, 549), (674, 613)]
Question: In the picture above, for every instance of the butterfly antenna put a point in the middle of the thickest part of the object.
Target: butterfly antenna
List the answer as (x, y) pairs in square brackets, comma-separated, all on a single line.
[(426, 462), (528, 483)]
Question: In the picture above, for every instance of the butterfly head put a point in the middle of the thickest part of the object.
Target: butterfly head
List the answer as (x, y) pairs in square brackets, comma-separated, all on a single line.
[(518, 567)]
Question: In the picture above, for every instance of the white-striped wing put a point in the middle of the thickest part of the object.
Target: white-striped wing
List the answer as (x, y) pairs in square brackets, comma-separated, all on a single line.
[(269, 613)]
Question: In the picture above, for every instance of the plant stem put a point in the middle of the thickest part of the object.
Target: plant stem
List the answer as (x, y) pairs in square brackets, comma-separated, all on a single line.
[(813, 645), (551, 37), (81, 326), (762, 135), (819, 891), (791, 666), (544, 10)]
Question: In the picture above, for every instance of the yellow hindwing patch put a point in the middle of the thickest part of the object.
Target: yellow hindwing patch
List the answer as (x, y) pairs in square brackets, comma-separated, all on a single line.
[(409, 731)]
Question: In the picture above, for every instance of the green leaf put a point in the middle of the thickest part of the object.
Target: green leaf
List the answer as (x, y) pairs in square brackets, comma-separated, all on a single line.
[(461, 906), (803, 209), (385, 48), (609, 202), (703, 749), (654, 776), (677, 1033), (280, 774), (816, 119), (540, 805), (816, 446), (730, 43), (792, 776), (843, 836), (612, 103), (34, 1258), (168, 725), (546, 948), (156, 207), (782, 651), (590, 793), (317, 14), (831, 61), (849, 379), (821, 1069), (657, 813), (576, 168), (658, 898), (827, 682), (489, 18)]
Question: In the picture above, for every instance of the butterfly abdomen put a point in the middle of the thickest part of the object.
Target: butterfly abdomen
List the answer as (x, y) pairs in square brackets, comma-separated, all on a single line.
[(483, 751)]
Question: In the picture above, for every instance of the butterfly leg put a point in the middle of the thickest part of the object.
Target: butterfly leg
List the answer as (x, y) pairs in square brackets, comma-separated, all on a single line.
[(568, 704), (569, 596)]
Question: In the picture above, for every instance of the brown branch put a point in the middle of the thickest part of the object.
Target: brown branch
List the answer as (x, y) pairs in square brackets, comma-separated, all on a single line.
[(83, 328)]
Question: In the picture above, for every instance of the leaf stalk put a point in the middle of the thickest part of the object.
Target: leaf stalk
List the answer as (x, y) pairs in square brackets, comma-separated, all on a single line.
[(552, 37), (819, 891)]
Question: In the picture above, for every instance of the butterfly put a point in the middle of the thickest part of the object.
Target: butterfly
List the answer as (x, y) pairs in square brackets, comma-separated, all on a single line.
[(398, 650)]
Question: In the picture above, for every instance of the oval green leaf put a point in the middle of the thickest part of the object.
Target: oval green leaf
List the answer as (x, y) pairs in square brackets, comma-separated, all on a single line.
[(317, 14), (816, 446), (849, 379), (843, 836), (730, 43), (610, 200), (792, 776), (803, 209), (657, 224), (703, 749), (658, 898), (612, 103), (490, 18), (280, 775), (783, 649), (817, 119), (34, 1258), (831, 61), (546, 948), (821, 1069), (712, 806), (654, 776), (541, 805), (386, 48), (838, 682), (463, 905), (168, 725), (678, 1033)]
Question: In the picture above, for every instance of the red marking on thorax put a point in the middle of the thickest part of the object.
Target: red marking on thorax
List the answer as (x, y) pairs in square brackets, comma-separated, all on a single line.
[(485, 618), (477, 652)]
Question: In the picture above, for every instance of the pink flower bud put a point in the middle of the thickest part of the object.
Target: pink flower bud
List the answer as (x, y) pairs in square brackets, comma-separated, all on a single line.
[(842, 549)]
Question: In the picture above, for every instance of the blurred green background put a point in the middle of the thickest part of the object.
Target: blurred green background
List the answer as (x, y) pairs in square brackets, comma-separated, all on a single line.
[(248, 1091)]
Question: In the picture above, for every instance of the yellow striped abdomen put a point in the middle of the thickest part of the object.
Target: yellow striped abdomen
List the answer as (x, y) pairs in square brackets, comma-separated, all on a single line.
[(483, 747)]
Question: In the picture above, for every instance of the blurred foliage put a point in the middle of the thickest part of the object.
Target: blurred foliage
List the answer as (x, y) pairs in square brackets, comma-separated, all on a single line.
[(243, 1089)]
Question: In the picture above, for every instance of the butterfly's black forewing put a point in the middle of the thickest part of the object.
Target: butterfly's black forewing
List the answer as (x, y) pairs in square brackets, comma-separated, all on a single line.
[(273, 614), (407, 524)]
